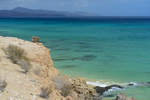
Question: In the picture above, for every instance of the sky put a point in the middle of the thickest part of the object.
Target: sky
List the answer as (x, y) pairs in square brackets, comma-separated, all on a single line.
[(99, 7)]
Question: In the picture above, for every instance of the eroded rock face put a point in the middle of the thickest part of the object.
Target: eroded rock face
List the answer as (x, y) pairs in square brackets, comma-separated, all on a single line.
[(123, 97), (84, 91), (36, 52), (22, 86)]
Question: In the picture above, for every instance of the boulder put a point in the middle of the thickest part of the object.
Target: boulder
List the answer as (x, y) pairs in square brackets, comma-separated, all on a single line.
[(82, 89), (101, 90)]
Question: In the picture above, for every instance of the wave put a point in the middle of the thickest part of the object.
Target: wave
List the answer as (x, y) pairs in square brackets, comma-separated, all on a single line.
[(113, 88), (97, 83), (137, 84)]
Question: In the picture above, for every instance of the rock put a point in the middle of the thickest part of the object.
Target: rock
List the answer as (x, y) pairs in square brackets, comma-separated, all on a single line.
[(82, 89), (19, 85), (101, 90), (130, 84), (96, 98), (123, 97), (35, 39)]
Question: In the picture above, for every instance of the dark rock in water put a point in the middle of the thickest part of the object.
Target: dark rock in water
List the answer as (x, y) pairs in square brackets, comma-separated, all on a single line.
[(101, 90), (148, 83), (62, 49), (68, 66), (130, 84), (123, 97), (60, 59), (88, 57), (139, 84), (111, 86), (82, 58)]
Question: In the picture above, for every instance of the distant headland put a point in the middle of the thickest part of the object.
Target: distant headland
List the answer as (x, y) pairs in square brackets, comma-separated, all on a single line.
[(21, 12)]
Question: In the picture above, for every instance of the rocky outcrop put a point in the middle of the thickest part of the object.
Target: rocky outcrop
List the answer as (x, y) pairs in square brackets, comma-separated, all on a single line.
[(36, 52), (42, 81), (123, 97), (101, 90), (22, 86), (84, 91)]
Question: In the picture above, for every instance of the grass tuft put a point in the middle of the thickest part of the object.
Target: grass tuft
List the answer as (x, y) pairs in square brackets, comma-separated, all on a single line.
[(18, 56), (66, 90), (45, 92), (3, 85)]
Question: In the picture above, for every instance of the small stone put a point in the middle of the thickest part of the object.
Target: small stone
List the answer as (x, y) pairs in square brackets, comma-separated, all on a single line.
[(35, 39)]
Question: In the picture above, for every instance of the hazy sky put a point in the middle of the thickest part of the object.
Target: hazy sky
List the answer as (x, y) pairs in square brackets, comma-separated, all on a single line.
[(101, 7)]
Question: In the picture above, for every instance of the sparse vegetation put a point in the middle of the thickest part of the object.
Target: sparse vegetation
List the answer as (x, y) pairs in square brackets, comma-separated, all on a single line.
[(25, 65), (3, 85), (62, 83), (37, 71), (66, 90), (18, 56), (45, 92), (15, 53)]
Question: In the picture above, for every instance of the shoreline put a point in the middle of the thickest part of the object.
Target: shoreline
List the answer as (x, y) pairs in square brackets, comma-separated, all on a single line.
[(80, 86)]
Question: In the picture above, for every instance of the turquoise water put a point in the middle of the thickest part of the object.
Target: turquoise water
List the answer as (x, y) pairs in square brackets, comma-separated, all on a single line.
[(112, 50)]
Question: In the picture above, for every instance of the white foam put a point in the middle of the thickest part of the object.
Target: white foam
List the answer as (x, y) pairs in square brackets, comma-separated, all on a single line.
[(111, 91), (97, 83), (114, 89), (134, 83)]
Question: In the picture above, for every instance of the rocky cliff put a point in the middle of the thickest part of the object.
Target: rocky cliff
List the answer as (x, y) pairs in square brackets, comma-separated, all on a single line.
[(28, 86), (27, 73)]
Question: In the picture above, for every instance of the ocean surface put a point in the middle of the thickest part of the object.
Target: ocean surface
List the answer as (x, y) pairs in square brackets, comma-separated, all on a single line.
[(109, 51)]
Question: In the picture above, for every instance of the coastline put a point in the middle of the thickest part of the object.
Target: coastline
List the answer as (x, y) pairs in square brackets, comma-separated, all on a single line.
[(81, 87)]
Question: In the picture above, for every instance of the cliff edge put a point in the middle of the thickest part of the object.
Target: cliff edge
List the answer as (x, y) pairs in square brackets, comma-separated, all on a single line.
[(21, 86)]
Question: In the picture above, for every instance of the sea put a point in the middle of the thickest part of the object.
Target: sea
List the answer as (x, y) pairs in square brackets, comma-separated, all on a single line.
[(104, 51)]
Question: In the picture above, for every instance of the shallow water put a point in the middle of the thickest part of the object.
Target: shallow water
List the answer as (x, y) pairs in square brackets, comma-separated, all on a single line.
[(114, 50)]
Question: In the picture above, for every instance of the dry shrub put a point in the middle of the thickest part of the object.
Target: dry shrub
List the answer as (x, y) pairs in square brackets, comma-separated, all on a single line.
[(66, 90), (18, 56), (3, 85), (37, 71), (45, 92), (14, 53), (62, 83), (25, 65)]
